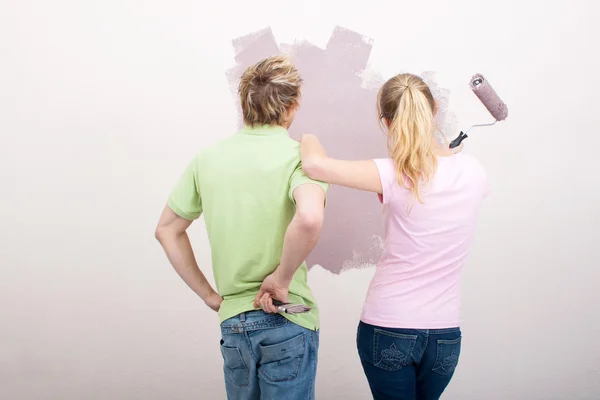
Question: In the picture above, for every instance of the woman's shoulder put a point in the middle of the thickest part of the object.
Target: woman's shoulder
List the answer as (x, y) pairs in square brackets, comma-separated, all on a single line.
[(464, 166), (474, 170), (467, 160)]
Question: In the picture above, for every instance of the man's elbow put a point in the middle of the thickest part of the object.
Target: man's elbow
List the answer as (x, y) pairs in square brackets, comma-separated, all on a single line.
[(162, 233), (159, 234), (310, 223), (313, 167)]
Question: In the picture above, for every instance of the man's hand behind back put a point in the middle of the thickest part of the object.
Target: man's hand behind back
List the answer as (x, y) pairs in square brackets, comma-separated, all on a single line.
[(300, 238), (271, 288), (213, 301)]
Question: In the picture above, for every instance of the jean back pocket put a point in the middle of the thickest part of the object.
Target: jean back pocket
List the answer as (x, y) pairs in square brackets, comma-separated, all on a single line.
[(448, 352), (236, 371), (282, 361), (392, 351)]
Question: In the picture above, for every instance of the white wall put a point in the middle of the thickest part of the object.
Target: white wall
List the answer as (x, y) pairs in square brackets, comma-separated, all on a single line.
[(103, 103)]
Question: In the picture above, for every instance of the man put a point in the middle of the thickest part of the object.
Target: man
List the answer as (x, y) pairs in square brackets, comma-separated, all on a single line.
[(263, 217)]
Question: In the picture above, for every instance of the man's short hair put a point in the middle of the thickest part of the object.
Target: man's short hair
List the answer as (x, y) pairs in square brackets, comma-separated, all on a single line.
[(269, 90)]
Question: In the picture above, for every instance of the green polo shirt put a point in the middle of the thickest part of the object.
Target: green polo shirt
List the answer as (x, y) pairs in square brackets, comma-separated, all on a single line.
[(244, 187)]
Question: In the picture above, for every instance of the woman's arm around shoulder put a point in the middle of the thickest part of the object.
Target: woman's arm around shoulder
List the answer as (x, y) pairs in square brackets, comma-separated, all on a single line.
[(361, 175)]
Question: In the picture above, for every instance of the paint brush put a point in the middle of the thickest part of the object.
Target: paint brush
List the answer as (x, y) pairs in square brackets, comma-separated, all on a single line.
[(288, 308)]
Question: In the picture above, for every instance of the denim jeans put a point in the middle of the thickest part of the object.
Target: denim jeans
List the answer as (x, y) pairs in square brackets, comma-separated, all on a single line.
[(268, 357), (408, 364)]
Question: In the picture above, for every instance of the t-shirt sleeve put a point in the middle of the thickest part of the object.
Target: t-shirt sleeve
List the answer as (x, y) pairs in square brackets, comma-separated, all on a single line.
[(486, 187), (485, 183), (387, 174), (185, 199), (299, 178)]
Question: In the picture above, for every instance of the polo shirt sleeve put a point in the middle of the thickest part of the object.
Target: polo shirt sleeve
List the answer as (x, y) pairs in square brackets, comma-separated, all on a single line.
[(185, 199), (299, 178)]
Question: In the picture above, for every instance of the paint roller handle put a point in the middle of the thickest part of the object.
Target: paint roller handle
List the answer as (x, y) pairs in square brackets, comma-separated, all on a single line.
[(456, 142)]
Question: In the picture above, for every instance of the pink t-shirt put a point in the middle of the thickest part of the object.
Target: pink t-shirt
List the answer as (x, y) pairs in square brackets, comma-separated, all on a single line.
[(417, 281)]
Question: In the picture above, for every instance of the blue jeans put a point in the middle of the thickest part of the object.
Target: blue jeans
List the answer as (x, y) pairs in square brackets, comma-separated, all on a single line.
[(408, 364), (268, 357)]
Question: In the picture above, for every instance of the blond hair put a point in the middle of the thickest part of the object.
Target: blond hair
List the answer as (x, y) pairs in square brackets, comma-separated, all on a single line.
[(407, 104), (269, 91)]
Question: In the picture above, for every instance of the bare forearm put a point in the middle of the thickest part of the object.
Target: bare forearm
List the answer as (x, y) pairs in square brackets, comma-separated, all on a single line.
[(179, 252), (361, 175), (300, 239)]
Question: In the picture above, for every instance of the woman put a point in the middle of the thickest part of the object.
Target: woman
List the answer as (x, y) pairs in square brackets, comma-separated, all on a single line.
[(409, 338)]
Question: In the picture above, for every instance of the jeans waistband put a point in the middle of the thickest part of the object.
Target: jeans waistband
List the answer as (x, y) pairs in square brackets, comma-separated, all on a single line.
[(435, 331), (252, 321)]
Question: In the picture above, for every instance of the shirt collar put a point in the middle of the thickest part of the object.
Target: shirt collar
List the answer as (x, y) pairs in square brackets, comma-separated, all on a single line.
[(264, 130)]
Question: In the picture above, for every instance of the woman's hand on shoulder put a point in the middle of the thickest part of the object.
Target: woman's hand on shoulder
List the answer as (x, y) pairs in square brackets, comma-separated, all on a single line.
[(311, 146), (313, 155)]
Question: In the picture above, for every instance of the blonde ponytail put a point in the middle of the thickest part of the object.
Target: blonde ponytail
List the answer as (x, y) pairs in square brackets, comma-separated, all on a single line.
[(408, 106)]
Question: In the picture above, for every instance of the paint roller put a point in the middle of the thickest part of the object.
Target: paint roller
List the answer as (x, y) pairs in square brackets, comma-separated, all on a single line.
[(486, 94)]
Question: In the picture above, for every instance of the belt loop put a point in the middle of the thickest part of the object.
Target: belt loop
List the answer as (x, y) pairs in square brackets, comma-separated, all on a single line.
[(243, 317)]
